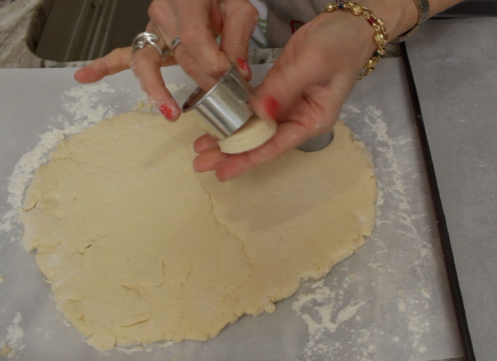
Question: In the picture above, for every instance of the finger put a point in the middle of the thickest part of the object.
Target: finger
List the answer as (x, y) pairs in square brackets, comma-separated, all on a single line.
[(241, 18), (114, 62), (191, 67), (209, 160), (164, 23), (323, 103), (288, 136), (197, 38), (285, 86), (146, 65), (288, 53), (205, 142), (162, 43)]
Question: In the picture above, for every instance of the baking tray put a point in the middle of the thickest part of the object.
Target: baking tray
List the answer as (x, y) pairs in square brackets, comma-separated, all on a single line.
[(389, 301), (443, 230), (456, 80)]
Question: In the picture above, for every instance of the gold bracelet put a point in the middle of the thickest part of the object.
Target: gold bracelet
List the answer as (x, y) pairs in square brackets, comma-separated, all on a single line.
[(380, 38)]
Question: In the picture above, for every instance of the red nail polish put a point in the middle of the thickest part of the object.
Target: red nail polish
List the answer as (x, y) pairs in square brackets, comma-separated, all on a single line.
[(272, 106), (242, 63), (167, 111)]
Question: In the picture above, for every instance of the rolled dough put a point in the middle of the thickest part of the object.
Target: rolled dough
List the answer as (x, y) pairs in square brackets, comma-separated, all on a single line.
[(254, 133), (140, 248)]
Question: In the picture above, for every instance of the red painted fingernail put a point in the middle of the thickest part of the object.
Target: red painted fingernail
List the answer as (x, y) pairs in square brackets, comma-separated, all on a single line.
[(272, 106), (242, 63), (167, 111)]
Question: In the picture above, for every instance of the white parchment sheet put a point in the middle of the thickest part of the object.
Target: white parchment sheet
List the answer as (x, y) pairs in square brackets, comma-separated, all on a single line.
[(389, 301)]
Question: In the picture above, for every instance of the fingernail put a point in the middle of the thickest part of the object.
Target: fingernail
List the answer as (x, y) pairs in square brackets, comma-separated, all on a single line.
[(272, 106), (242, 63), (167, 111)]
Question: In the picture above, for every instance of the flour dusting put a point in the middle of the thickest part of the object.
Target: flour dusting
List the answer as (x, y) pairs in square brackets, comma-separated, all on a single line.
[(83, 109), (146, 348), (11, 343), (329, 316), (387, 308), (326, 306)]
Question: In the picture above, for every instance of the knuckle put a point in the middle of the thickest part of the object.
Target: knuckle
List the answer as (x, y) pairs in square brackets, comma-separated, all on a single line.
[(124, 55), (250, 11), (237, 47), (214, 71), (121, 55), (156, 10), (102, 66), (188, 35), (188, 64), (153, 9)]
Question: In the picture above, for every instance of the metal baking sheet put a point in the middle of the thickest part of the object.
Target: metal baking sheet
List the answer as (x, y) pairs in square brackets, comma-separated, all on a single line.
[(389, 301), (456, 79)]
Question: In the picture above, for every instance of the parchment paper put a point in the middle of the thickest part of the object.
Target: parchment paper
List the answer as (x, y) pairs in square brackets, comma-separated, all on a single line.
[(456, 78), (389, 301)]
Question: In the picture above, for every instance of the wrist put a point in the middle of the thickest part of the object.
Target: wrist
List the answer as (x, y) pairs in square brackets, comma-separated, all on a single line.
[(399, 16)]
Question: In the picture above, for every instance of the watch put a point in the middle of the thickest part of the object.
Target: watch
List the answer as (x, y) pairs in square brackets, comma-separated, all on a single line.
[(424, 12)]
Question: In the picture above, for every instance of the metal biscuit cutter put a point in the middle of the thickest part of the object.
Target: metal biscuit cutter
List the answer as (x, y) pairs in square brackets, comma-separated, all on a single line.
[(225, 107)]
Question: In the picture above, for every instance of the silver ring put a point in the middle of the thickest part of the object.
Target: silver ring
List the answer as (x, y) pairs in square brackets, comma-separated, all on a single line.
[(144, 39), (174, 44), (170, 50)]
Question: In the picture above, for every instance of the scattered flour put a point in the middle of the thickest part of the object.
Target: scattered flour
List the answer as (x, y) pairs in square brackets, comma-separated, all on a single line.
[(176, 88), (325, 310), (425, 294), (401, 246), (146, 348), (11, 343), (83, 108)]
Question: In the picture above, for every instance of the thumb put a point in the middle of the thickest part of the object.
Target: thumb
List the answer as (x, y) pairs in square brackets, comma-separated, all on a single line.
[(285, 85)]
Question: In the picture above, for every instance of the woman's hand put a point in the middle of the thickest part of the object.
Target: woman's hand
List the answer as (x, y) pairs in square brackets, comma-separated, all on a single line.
[(197, 23), (309, 83), (304, 91)]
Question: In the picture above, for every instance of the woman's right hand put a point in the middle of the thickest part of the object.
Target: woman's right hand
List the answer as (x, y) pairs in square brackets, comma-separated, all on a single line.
[(197, 23)]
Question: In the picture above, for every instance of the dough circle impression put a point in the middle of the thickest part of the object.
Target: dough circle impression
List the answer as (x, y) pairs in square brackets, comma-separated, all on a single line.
[(140, 248)]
